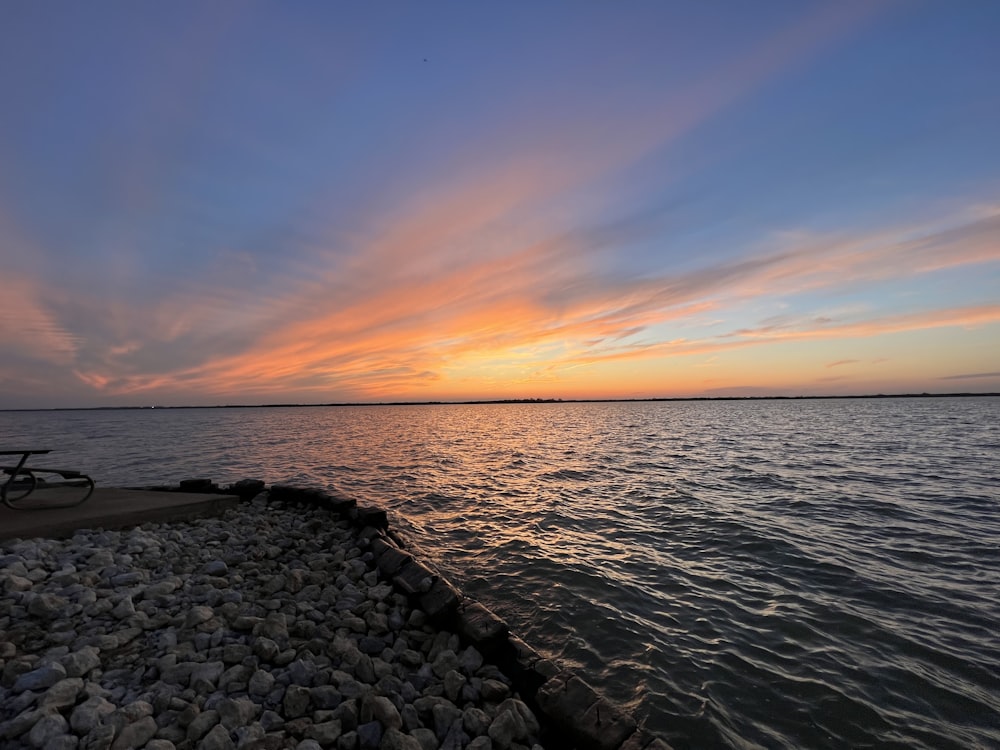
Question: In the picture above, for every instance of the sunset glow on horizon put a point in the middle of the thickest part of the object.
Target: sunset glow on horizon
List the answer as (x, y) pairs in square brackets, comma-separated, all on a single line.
[(312, 203)]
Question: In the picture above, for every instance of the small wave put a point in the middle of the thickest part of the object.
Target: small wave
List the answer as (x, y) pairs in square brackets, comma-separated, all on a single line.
[(575, 475), (788, 574)]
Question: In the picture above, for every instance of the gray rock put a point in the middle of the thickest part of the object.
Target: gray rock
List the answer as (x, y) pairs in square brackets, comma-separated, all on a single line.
[(393, 739), (178, 674), (410, 658), (79, 663), (246, 622), (261, 683), (377, 622), (63, 694), (379, 708), (348, 741), (426, 737), (19, 703), (215, 568), (284, 658), (21, 723), (46, 606), (365, 669), (235, 679), (89, 714), (507, 727), (217, 739), (456, 739), (48, 727), (355, 624), (127, 635), (197, 615), (347, 714), (271, 721), (160, 589), (444, 714), (41, 678), (325, 697), (172, 734), (129, 714), (494, 691), (235, 653), (470, 660), (208, 672), (17, 583), (475, 721), (395, 620), (371, 645), (236, 713), (249, 736), (124, 609), (410, 717), (325, 733), (302, 672), (265, 649), (453, 682), (370, 735), (124, 580), (480, 743), (188, 714), (532, 726), (296, 701), (160, 744), (274, 625), (445, 662), (135, 734), (100, 737), (201, 723)]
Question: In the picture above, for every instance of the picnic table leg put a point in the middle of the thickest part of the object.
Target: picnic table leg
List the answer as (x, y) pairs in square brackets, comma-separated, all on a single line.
[(73, 479), (8, 486)]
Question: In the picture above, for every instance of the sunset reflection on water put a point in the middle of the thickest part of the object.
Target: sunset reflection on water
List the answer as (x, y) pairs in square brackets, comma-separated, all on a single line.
[(721, 567)]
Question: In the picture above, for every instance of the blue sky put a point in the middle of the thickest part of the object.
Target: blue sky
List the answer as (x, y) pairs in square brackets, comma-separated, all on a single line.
[(257, 202)]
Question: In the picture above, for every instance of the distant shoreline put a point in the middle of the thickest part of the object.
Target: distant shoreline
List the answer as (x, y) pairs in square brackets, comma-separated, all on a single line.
[(520, 401)]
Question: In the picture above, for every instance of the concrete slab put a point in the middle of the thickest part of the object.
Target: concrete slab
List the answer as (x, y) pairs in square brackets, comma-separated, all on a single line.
[(108, 508)]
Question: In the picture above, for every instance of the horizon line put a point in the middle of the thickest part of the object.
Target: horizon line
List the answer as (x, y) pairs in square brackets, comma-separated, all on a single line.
[(472, 402)]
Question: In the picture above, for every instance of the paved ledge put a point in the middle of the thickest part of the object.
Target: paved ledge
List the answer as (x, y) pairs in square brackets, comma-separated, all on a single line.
[(107, 508)]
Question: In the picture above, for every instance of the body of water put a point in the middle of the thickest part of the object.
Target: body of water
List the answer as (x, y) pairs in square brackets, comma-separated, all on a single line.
[(779, 574)]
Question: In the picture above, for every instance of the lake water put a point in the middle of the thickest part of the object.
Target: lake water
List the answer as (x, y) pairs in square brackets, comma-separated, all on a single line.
[(800, 574)]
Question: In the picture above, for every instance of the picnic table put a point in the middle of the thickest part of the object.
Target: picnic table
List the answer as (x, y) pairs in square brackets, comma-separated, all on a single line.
[(23, 480)]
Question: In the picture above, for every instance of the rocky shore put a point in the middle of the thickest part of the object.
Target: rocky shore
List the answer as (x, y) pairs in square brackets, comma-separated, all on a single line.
[(272, 626)]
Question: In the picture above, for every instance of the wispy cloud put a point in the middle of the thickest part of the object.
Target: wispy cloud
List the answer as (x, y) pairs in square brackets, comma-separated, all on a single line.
[(971, 376), (360, 333), (478, 268)]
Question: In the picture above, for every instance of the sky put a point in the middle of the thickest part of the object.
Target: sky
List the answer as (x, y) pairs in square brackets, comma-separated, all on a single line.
[(314, 202)]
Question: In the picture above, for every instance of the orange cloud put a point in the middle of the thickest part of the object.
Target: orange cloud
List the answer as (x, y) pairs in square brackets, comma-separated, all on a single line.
[(529, 314)]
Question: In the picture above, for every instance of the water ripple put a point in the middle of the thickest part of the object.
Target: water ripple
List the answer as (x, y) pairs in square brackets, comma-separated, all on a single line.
[(746, 574)]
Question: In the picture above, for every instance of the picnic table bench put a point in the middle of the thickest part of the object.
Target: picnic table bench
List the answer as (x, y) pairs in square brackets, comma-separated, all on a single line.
[(23, 480)]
